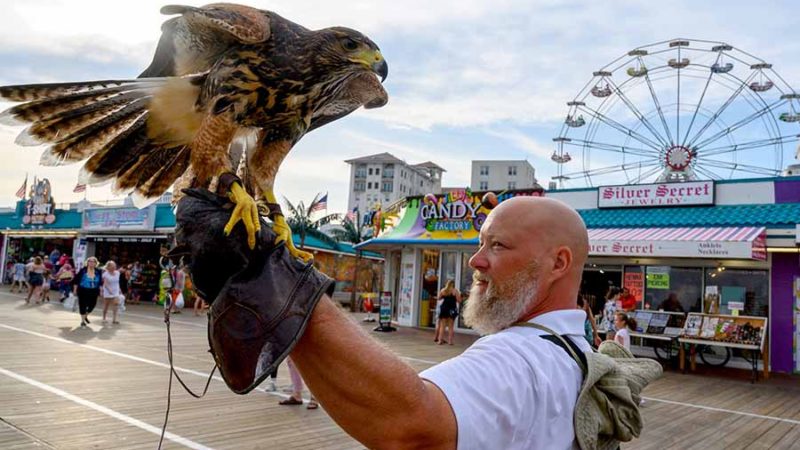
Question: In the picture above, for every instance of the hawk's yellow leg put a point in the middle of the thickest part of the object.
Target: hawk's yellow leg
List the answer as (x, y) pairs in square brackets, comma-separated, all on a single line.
[(284, 233), (246, 211)]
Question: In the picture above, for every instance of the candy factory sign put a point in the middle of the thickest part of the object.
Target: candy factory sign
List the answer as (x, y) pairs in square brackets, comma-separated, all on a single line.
[(454, 211)]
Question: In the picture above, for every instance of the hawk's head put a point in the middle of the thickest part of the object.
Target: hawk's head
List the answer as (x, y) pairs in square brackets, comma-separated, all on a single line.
[(344, 51)]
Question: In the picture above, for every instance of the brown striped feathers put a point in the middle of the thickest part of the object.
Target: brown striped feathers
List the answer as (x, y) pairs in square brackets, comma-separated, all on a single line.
[(134, 131)]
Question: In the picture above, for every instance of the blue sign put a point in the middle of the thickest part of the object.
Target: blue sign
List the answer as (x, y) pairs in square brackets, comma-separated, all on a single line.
[(124, 219)]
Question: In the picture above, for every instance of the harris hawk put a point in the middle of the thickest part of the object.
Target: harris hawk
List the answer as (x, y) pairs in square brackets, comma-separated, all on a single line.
[(221, 73)]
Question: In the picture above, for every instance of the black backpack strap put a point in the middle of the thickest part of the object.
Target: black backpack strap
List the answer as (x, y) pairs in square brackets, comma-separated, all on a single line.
[(565, 343), (583, 364)]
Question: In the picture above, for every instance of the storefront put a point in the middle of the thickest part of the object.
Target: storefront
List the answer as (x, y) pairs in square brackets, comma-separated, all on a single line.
[(36, 228), (126, 234), (340, 262), (430, 245), (669, 246)]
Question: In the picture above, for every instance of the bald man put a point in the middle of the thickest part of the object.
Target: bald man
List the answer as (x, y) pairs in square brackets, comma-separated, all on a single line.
[(511, 389)]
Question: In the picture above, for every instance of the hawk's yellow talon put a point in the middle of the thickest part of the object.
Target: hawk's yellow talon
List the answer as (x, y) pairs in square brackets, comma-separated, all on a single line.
[(246, 211), (284, 234)]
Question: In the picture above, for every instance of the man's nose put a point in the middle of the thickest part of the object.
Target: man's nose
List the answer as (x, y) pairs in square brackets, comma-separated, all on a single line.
[(478, 261)]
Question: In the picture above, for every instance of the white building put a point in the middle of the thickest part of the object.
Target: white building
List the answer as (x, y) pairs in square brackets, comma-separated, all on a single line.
[(384, 179), (502, 175)]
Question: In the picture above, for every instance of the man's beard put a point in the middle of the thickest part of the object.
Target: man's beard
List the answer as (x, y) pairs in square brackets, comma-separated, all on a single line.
[(501, 304)]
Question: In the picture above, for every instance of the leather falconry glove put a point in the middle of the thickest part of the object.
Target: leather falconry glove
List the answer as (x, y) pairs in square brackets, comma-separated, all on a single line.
[(260, 300)]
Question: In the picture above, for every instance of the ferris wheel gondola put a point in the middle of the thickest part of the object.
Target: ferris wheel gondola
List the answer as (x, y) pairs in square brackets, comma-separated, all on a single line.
[(575, 122), (792, 115), (678, 64), (676, 111), (601, 91), (721, 68)]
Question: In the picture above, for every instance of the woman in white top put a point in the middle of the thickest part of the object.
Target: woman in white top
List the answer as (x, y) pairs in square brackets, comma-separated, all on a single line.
[(110, 291), (624, 325)]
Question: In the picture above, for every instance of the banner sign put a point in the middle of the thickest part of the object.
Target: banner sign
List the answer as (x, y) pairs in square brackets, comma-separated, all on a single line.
[(120, 219), (680, 249), (144, 239), (405, 299), (456, 215), (796, 296), (40, 208), (664, 194), (386, 309), (634, 282), (658, 278)]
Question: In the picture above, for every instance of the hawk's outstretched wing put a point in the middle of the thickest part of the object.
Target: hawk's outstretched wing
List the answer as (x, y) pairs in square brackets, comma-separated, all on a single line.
[(192, 42)]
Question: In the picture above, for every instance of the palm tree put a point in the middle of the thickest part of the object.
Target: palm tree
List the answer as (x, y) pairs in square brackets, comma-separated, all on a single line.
[(353, 233), (300, 222)]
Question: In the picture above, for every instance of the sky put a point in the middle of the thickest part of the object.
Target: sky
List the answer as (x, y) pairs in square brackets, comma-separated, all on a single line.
[(468, 79)]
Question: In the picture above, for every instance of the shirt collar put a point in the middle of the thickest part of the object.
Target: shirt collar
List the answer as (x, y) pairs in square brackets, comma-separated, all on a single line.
[(562, 321)]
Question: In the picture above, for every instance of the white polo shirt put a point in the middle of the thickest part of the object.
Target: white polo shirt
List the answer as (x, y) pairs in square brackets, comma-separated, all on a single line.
[(513, 389)]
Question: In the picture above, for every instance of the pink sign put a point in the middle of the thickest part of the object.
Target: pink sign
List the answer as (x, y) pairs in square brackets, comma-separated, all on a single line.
[(664, 194)]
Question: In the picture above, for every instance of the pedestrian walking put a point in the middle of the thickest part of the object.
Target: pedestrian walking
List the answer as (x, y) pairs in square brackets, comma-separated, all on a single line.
[(111, 291), (86, 285)]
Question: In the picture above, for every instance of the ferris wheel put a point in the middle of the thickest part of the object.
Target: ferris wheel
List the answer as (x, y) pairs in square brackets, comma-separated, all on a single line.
[(678, 110)]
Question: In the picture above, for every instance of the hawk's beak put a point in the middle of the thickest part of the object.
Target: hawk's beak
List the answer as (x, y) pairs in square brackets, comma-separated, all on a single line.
[(380, 67), (376, 63), (374, 60)]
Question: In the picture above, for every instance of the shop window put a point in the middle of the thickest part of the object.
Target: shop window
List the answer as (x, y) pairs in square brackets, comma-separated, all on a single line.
[(674, 288), (740, 288), (430, 287), (448, 269), (465, 285), (633, 281)]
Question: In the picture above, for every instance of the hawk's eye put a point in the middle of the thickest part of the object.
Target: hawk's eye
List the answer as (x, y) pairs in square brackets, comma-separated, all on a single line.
[(349, 44)]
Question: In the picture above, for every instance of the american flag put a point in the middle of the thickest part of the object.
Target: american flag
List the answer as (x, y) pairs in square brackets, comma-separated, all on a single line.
[(23, 188), (321, 204), (351, 216), (80, 187)]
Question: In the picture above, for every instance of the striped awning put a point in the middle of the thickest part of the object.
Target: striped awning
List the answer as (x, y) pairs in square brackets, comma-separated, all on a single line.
[(690, 242)]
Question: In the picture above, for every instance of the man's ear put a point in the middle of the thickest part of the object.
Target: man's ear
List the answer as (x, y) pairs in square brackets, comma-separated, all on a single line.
[(563, 262)]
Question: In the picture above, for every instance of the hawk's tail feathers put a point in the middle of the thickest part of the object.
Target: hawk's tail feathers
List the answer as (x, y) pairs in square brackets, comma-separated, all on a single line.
[(47, 108), (31, 92), (117, 125), (155, 173)]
